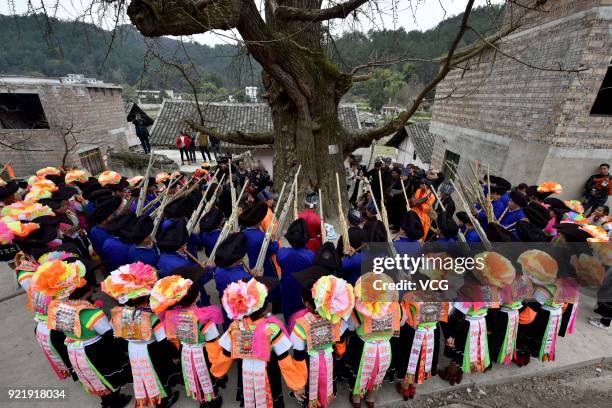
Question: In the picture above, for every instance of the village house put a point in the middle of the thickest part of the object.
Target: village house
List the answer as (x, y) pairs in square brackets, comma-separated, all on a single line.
[(227, 117), (71, 121), (533, 125), (414, 144)]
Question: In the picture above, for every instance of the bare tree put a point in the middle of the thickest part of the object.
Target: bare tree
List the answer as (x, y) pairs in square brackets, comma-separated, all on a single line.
[(303, 87)]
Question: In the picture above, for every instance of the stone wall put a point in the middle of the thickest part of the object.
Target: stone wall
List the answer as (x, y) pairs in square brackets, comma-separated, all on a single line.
[(513, 116), (93, 116)]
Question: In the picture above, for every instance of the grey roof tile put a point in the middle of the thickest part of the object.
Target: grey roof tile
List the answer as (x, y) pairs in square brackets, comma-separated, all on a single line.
[(422, 139), (226, 117)]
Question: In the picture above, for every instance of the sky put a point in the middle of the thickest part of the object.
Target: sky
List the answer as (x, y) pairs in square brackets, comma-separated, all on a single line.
[(410, 14)]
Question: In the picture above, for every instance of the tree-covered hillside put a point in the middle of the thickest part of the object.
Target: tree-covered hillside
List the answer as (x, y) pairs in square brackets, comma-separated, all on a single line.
[(35, 45)]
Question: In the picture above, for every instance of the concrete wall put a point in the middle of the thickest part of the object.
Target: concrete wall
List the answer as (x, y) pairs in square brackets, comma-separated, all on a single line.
[(405, 154), (94, 116)]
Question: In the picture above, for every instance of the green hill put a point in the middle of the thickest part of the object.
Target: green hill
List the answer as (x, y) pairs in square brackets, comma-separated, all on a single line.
[(35, 45)]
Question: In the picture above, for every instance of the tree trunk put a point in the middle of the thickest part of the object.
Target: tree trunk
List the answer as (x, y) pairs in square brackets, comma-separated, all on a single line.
[(315, 142)]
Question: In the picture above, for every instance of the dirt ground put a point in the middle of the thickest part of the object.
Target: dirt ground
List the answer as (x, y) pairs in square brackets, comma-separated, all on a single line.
[(589, 386)]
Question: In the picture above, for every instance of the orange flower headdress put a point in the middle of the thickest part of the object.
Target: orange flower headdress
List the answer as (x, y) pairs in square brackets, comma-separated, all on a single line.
[(498, 271), (539, 266), (130, 282), (109, 177), (58, 278), (550, 187), (168, 291), (374, 299), (76, 175)]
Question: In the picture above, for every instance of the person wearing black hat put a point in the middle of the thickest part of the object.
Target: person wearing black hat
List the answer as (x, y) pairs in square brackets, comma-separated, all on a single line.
[(210, 229), (394, 199), (251, 219), (172, 245), (98, 219), (139, 235), (351, 263), (327, 257), (228, 265), (502, 183), (150, 196), (291, 260), (115, 251), (514, 211), (7, 192), (410, 234), (467, 228), (448, 228), (499, 206), (181, 210)]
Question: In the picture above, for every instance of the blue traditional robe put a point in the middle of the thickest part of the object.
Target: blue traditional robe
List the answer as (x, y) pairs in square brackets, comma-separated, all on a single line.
[(147, 255), (511, 217), (115, 252), (351, 268), (292, 260), (255, 238), (470, 235), (169, 261), (97, 236), (209, 239), (192, 242), (498, 210), (149, 197)]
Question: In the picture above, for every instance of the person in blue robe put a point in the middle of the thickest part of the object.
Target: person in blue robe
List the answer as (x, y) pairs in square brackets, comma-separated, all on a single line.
[(210, 229), (250, 218), (291, 260), (358, 238), (410, 233), (115, 250), (447, 230), (172, 246), (515, 210), (467, 228), (139, 236), (99, 219), (228, 265)]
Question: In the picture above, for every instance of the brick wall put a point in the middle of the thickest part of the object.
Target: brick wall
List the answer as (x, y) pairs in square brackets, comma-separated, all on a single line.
[(513, 116), (502, 96), (95, 115)]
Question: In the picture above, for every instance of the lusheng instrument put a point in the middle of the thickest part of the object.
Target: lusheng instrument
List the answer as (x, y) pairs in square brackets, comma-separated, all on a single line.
[(228, 226), (292, 198), (143, 190), (259, 265), (383, 208), (346, 243), (196, 214), (323, 232)]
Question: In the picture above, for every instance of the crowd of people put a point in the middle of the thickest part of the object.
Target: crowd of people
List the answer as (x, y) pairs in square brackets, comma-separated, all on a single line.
[(166, 281)]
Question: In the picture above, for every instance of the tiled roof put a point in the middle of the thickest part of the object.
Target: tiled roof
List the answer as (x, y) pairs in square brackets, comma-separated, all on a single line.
[(418, 132), (225, 117)]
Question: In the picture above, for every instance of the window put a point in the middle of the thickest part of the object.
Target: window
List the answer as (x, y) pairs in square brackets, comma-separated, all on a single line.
[(451, 161), (603, 102), (21, 111), (92, 160)]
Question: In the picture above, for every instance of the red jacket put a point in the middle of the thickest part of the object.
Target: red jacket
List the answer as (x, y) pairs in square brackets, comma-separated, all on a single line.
[(313, 224)]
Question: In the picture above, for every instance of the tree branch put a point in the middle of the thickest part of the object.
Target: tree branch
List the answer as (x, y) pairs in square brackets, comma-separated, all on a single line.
[(238, 137), (365, 138), (338, 11)]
